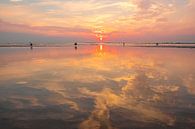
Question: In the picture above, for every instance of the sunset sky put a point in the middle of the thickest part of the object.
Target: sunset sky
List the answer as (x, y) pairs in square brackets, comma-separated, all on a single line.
[(93, 20)]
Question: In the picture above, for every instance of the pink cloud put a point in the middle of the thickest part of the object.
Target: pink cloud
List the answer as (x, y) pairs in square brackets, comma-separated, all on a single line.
[(44, 30)]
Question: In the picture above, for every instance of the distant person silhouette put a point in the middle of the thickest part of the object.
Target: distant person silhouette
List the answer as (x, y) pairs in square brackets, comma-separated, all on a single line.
[(123, 44), (31, 45), (75, 45), (157, 44)]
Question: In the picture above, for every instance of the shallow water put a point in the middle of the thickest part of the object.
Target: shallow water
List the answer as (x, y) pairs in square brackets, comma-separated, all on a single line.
[(97, 86)]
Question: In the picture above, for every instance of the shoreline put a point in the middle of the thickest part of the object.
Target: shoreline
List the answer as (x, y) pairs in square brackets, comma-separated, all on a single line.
[(126, 45)]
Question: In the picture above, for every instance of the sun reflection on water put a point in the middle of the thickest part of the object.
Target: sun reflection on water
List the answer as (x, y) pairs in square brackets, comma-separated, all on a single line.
[(101, 47)]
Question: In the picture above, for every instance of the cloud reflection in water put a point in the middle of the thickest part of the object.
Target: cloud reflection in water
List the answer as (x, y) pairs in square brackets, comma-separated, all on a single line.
[(94, 85)]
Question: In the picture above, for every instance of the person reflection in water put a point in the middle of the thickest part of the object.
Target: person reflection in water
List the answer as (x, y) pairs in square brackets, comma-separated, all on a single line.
[(75, 47)]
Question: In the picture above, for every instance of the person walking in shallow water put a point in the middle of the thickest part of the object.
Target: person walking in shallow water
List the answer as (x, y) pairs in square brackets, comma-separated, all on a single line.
[(31, 45), (75, 45)]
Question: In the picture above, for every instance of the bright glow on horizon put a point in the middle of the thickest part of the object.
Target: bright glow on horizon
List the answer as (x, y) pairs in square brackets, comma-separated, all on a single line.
[(97, 20)]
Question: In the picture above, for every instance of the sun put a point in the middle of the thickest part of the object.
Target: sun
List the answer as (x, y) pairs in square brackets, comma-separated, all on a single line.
[(101, 38)]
